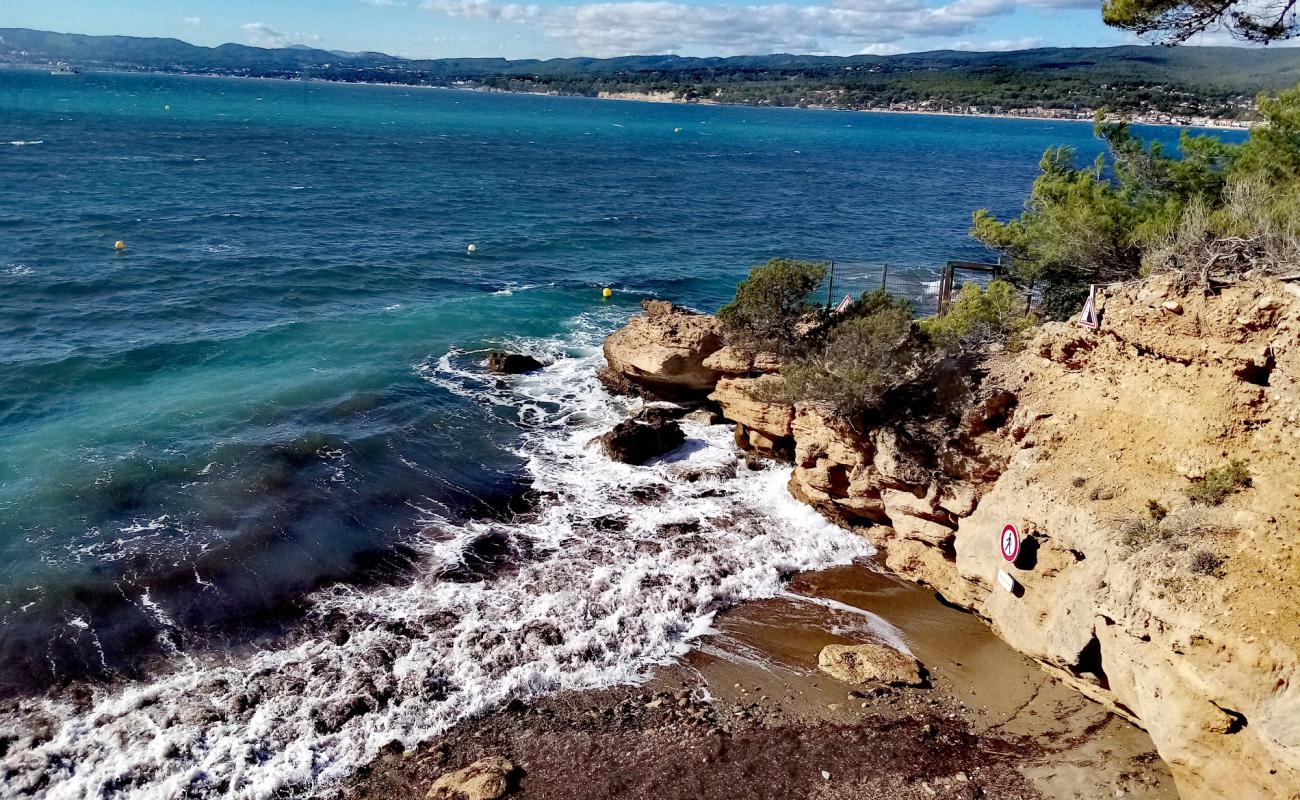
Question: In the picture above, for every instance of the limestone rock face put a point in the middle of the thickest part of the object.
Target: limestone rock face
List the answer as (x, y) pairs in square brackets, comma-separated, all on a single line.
[(833, 470), (741, 402), (486, 779), (732, 361), (1072, 440), (878, 477), (870, 663), (662, 352), (1104, 424), (762, 425), (1207, 661), (1069, 441)]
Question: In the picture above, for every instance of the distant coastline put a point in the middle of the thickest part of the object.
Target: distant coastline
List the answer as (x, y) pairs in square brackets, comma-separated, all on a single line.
[(1204, 87), (671, 98)]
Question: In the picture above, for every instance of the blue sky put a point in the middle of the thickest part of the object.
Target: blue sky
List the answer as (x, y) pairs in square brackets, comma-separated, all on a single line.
[(546, 28)]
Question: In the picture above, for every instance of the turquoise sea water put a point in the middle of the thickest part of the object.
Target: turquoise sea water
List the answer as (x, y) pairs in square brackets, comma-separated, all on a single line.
[(253, 417)]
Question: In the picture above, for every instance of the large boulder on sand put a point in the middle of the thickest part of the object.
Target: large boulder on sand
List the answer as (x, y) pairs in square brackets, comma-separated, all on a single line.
[(662, 352), (486, 779), (870, 663), (633, 441)]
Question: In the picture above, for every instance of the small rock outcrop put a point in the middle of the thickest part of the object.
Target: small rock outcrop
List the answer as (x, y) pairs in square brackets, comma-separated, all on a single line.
[(734, 361), (874, 662), (762, 425), (504, 363), (486, 779), (661, 353), (633, 441), (704, 416)]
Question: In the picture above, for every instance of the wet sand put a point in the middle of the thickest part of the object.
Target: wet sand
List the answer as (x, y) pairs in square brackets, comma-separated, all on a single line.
[(747, 715)]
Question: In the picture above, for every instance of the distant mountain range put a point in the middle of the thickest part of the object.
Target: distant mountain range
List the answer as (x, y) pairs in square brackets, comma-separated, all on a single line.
[(1207, 80)]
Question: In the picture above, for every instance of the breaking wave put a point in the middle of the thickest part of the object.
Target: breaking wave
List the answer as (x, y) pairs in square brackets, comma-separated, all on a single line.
[(615, 570)]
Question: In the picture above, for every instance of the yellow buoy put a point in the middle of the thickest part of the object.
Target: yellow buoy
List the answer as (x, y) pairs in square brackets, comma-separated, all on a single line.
[(119, 245), (470, 249), (607, 293)]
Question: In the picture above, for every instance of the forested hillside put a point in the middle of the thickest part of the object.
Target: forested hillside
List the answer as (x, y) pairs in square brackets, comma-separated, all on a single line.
[(1205, 81)]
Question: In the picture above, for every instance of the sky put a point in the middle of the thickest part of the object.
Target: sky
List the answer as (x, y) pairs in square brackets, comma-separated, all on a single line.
[(550, 28)]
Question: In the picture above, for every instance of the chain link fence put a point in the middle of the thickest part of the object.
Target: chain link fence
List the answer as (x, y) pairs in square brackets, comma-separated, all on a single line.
[(919, 284), (923, 285)]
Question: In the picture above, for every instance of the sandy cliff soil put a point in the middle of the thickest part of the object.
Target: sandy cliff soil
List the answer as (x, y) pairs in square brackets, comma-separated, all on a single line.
[(1188, 624)]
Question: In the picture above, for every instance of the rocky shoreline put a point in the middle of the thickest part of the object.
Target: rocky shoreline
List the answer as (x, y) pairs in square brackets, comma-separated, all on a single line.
[(1183, 622), (1191, 630), (748, 715)]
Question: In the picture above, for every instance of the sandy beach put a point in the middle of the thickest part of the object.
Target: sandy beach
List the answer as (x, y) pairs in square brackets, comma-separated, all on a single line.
[(747, 715)]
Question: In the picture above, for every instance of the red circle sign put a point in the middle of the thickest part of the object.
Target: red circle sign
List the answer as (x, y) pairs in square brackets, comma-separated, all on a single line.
[(1010, 542)]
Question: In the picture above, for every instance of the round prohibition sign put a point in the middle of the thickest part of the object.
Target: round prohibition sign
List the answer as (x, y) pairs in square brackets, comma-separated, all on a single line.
[(1010, 543)]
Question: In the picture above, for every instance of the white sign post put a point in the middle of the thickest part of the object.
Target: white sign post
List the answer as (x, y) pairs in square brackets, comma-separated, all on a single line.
[(1006, 581), (1088, 318), (1009, 544)]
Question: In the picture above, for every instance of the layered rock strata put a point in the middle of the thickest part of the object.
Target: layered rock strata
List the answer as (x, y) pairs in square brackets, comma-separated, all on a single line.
[(1182, 616)]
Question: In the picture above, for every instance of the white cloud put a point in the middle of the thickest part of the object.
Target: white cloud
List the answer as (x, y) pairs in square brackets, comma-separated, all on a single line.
[(1024, 43), (1091, 5), (193, 22), (383, 3), (484, 9), (620, 27), (261, 35), (880, 50)]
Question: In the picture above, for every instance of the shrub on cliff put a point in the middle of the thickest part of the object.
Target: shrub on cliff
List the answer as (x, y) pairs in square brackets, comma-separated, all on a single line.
[(1220, 483), (861, 359), (770, 305), (1218, 207), (978, 318)]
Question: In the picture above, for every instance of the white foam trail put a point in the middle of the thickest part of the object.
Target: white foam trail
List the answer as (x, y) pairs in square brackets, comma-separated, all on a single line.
[(876, 626), (511, 287), (617, 571)]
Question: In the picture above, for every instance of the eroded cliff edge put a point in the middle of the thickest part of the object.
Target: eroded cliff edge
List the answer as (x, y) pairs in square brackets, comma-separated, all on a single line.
[(1188, 624)]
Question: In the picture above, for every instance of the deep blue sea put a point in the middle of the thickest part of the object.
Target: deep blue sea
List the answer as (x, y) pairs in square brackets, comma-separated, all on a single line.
[(252, 469)]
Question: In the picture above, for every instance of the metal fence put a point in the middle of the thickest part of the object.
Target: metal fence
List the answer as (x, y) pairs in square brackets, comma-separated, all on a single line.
[(917, 283), (928, 287)]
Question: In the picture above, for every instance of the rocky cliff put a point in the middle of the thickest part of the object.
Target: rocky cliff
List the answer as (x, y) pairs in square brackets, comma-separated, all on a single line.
[(1146, 579)]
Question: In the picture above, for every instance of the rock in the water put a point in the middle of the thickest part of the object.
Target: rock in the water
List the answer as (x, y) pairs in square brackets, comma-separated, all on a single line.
[(486, 779), (870, 663), (634, 442), (657, 414), (503, 363), (662, 352), (704, 416)]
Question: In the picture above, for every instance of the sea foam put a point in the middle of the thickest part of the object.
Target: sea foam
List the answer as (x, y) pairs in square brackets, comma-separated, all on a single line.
[(616, 570)]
